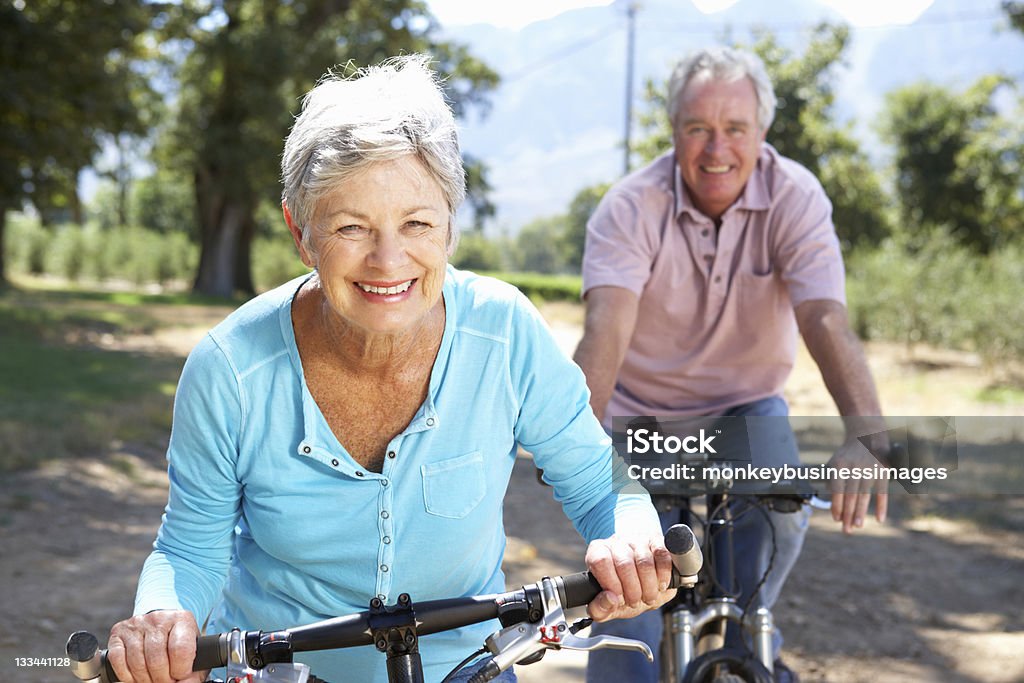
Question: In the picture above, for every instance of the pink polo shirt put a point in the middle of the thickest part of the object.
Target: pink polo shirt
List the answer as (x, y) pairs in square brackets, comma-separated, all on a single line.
[(715, 326)]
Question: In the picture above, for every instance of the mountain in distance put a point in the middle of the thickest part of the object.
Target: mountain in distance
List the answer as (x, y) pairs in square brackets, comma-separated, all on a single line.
[(557, 121)]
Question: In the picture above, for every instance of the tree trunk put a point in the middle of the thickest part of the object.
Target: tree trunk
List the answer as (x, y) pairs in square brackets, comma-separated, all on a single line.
[(3, 225), (75, 201), (226, 227)]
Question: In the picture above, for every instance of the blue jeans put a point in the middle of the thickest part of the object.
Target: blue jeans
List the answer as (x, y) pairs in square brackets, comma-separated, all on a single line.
[(753, 548)]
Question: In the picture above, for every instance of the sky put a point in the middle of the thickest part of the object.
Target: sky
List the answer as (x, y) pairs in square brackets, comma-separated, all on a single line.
[(518, 13)]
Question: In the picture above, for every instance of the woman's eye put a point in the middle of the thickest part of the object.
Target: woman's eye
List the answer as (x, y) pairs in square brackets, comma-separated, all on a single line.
[(351, 230), (417, 226)]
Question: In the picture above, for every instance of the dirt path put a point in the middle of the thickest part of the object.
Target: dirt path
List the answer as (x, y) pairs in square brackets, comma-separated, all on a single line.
[(924, 598)]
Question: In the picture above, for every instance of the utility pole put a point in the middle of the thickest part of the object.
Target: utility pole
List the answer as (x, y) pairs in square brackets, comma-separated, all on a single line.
[(630, 50)]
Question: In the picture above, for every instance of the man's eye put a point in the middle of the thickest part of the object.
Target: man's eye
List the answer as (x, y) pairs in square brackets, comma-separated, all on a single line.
[(417, 226)]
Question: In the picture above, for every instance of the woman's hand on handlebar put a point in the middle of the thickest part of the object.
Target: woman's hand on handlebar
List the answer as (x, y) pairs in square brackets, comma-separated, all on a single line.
[(158, 647), (635, 572)]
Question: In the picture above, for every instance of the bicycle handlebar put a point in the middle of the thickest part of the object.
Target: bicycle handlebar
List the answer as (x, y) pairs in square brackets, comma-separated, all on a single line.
[(89, 663)]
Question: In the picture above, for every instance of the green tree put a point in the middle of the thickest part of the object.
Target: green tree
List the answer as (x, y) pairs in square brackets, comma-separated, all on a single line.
[(1015, 13), (575, 231), (478, 192), (240, 84), (803, 130), (957, 161), (68, 77), (537, 246), (164, 202), (478, 253)]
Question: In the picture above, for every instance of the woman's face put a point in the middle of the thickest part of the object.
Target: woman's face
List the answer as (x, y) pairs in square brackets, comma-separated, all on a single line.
[(379, 243)]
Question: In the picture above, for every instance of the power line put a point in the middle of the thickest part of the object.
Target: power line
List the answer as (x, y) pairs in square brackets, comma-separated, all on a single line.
[(704, 27), (531, 68)]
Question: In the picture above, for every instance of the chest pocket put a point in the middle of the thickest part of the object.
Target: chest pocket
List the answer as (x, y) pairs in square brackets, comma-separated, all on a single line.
[(453, 488)]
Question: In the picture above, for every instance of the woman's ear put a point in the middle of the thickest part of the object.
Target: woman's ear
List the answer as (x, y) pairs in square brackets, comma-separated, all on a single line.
[(296, 232)]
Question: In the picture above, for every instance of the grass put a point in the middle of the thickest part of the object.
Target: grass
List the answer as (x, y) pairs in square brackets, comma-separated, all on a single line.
[(1002, 394), (66, 389)]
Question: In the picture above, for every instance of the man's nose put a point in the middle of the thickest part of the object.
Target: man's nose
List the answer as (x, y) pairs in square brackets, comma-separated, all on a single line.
[(715, 143)]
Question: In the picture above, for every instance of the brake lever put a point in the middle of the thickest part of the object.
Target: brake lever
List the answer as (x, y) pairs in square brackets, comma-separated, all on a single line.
[(520, 641)]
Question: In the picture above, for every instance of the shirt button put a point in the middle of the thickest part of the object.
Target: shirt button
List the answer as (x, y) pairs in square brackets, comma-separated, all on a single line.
[(387, 540), (384, 514), (383, 567), (718, 278), (307, 450), (708, 257), (705, 232), (392, 454), (381, 597), (334, 462), (430, 422), (359, 474), (383, 482)]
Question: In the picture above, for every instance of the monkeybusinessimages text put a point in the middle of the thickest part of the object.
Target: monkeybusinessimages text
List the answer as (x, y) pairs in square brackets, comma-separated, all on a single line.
[(644, 442)]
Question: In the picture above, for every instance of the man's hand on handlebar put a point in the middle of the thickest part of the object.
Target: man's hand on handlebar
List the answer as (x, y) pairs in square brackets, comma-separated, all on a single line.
[(158, 647), (852, 497), (635, 572)]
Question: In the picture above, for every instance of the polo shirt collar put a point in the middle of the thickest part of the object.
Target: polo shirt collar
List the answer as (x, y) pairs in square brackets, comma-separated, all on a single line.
[(754, 197)]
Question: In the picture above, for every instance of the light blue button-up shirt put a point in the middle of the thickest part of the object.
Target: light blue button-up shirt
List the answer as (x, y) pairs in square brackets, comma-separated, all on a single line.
[(270, 523)]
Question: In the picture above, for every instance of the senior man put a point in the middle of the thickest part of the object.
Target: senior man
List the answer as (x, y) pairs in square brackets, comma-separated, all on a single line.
[(699, 270)]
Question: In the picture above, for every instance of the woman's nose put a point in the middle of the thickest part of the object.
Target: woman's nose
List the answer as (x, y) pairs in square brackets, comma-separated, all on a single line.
[(388, 250)]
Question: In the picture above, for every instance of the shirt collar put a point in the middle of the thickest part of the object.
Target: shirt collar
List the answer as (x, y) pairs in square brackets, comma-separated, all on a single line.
[(753, 198)]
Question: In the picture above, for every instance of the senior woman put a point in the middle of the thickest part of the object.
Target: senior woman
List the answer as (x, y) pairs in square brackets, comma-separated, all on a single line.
[(351, 434)]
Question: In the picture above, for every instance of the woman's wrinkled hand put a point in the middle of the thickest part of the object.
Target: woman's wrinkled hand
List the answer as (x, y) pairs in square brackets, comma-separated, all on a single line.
[(158, 647), (635, 572)]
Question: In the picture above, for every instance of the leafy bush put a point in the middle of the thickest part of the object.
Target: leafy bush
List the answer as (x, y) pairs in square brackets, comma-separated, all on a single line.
[(932, 290), (275, 261), (477, 253), (98, 254), (541, 287)]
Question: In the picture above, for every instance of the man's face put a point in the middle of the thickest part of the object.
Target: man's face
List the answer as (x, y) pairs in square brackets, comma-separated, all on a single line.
[(717, 140)]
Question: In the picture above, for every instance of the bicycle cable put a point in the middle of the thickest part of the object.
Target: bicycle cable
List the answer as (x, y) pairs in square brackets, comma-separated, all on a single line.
[(463, 664), (762, 508)]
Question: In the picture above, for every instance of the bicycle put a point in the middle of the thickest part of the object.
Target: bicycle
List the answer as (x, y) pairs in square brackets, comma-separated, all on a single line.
[(694, 623), (532, 618)]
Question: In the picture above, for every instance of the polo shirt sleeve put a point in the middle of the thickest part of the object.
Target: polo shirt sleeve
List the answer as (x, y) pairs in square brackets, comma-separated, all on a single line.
[(620, 245), (190, 557), (556, 424), (807, 251)]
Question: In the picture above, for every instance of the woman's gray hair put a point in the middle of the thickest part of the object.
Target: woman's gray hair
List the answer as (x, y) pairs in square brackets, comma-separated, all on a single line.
[(723, 64), (380, 113)]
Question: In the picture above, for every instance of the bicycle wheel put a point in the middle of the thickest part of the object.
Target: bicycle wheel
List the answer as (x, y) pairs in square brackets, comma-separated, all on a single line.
[(727, 665)]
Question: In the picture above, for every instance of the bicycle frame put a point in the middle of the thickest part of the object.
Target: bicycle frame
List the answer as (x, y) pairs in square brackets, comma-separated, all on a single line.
[(687, 618)]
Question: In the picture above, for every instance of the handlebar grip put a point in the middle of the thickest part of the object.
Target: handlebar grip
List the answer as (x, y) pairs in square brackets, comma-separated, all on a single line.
[(108, 670), (579, 589), (686, 555), (211, 652), (89, 662)]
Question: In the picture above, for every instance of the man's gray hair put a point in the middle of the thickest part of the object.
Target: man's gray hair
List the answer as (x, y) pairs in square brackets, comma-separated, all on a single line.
[(380, 113), (728, 65)]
